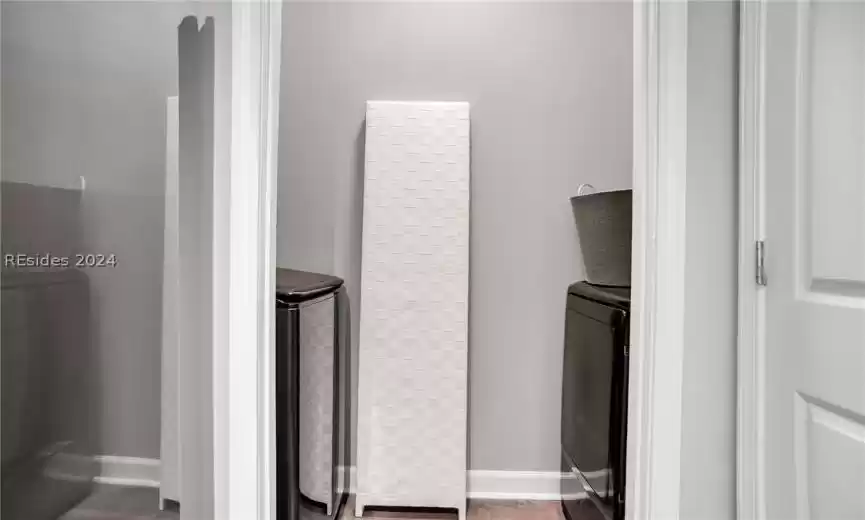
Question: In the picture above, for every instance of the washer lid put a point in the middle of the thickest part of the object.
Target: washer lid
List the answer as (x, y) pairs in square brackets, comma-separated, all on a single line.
[(294, 286)]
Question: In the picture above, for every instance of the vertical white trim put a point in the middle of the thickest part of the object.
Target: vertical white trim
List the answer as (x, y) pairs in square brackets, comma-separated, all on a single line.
[(658, 288), (669, 265), (256, 41), (267, 279), (750, 385), (221, 259), (170, 425), (644, 152)]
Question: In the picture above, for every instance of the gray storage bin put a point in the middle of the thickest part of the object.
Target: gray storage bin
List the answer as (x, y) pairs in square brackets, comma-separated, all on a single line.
[(604, 227)]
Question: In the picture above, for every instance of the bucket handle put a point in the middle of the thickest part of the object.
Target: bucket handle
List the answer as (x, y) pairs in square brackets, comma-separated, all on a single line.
[(582, 187)]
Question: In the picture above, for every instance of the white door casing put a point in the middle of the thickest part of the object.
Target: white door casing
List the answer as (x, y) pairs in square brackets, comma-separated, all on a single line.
[(244, 386), (802, 337), (654, 444)]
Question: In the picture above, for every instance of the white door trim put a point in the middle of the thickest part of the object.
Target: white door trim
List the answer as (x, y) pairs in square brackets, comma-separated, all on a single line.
[(245, 414), (658, 281), (751, 342)]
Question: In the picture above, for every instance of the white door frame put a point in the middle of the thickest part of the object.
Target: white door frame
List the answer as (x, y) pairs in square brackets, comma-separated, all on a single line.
[(658, 281), (244, 388), (752, 298)]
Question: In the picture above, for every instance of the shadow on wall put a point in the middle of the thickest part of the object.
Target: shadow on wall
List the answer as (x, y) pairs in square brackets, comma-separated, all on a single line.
[(353, 275)]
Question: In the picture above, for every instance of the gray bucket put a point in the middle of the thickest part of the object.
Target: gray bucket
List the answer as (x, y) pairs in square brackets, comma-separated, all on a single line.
[(604, 227)]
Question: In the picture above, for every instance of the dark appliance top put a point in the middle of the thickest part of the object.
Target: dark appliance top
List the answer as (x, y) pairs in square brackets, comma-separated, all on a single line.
[(293, 286), (619, 297)]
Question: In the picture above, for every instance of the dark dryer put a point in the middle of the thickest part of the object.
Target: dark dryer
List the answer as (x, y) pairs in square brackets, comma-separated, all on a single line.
[(595, 402)]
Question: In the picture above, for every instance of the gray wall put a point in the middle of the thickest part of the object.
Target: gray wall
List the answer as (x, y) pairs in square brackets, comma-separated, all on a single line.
[(84, 88), (708, 486), (550, 89)]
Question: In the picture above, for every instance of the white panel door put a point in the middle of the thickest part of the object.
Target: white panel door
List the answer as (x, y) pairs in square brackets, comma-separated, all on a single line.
[(813, 410)]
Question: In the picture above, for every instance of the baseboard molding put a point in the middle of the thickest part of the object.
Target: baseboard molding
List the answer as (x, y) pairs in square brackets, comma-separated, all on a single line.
[(516, 485), (128, 471), (143, 472), (505, 485), (105, 469)]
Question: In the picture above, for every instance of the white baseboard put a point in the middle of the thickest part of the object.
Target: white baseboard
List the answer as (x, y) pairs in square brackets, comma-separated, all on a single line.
[(128, 471), (105, 469), (506, 485), (514, 485)]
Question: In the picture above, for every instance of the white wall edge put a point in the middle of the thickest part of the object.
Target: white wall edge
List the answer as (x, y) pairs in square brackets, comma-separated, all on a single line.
[(658, 282), (221, 218)]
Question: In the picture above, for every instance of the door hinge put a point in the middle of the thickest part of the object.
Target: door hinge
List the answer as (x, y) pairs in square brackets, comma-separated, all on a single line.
[(761, 266)]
